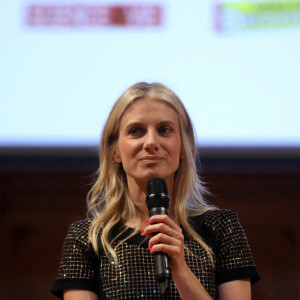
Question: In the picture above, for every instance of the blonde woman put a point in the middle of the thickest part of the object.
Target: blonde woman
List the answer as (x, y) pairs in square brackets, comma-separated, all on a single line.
[(149, 134)]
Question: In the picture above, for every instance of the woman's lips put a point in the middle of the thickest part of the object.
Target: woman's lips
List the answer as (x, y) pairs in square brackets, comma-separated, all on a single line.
[(151, 159)]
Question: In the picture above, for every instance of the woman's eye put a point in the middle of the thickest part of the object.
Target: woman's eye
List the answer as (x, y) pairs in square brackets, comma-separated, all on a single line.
[(165, 130), (135, 131)]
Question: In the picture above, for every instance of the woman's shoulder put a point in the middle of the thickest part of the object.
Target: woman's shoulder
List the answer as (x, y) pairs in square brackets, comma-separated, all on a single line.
[(215, 217), (217, 220), (83, 223), (79, 230)]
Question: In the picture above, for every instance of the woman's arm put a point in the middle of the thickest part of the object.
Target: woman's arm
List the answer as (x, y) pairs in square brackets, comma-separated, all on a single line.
[(233, 290), (79, 295), (237, 289), (188, 285), (171, 241)]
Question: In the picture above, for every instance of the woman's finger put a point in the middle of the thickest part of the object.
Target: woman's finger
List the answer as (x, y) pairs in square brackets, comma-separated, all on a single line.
[(152, 229), (171, 246), (162, 219), (161, 238), (172, 251), (157, 228)]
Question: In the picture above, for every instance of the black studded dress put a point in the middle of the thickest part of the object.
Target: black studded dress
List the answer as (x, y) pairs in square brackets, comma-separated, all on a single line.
[(133, 277)]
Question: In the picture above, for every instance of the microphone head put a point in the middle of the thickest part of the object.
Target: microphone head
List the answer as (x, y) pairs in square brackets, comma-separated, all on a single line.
[(157, 194)]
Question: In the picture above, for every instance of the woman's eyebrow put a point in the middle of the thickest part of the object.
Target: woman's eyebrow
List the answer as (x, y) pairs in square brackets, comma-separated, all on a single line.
[(133, 124), (170, 123), (140, 124)]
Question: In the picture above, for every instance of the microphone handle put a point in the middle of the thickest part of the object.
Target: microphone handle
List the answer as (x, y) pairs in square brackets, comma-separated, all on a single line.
[(161, 260)]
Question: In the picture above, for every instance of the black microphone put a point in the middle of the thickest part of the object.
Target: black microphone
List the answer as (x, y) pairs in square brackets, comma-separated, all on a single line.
[(157, 199)]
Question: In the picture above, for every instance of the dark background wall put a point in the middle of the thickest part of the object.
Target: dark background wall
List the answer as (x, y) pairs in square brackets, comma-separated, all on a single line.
[(40, 197)]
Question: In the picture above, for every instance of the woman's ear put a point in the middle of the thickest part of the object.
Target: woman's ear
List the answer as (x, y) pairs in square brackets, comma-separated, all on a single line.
[(117, 157), (181, 154)]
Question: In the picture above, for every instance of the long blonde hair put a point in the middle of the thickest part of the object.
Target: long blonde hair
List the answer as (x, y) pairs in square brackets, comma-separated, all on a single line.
[(109, 201)]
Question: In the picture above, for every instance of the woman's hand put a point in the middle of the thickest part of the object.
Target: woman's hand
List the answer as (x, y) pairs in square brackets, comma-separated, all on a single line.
[(168, 239)]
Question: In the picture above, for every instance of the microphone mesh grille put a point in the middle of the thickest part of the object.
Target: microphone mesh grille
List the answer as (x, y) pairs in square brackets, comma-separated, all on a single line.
[(157, 193)]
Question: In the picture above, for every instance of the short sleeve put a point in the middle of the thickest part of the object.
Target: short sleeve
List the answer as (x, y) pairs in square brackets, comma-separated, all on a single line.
[(78, 267), (233, 258)]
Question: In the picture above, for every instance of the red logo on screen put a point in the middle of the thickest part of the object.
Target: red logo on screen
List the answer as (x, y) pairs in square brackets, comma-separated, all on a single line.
[(91, 15)]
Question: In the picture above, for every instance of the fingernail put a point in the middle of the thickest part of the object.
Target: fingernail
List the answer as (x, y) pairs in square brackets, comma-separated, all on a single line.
[(149, 248), (147, 221), (142, 232)]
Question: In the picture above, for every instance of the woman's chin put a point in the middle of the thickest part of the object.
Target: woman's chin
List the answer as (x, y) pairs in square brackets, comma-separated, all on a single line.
[(157, 174)]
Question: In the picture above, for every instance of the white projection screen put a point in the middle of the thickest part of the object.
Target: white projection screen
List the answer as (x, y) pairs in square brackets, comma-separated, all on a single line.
[(234, 64)]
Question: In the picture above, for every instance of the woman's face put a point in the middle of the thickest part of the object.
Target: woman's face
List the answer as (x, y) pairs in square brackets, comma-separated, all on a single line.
[(149, 143)]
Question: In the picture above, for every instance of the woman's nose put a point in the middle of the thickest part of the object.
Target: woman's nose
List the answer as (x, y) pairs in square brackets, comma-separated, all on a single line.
[(151, 141)]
